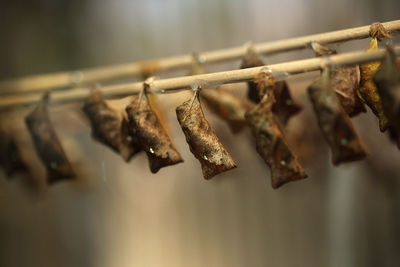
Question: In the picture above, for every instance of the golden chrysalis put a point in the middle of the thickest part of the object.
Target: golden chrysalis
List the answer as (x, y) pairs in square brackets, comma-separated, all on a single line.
[(47, 144), (334, 123), (152, 137), (110, 126), (202, 140), (368, 92)]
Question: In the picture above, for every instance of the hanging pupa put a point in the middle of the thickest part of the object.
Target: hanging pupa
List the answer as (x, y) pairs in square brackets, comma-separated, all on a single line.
[(10, 157), (228, 106), (345, 82), (151, 135), (334, 123), (285, 106), (387, 80), (202, 140), (47, 145), (110, 126), (368, 91), (225, 104), (271, 143)]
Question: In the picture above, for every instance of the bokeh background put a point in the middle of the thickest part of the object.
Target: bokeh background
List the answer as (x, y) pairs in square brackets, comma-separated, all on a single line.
[(119, 214)]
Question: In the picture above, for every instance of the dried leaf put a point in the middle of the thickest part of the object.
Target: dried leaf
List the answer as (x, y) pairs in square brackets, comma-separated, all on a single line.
[(334, 123), (202, 140), (271, 143), (10, 158), (387, 81), (110, 126), (227, 106), (47, 145), (151, 135), (368, 92)]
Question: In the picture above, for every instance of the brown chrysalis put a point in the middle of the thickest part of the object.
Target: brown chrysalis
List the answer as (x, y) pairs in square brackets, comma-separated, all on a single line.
[(271, 143), (368, 91), (110, 126), (285, 106), (334, 123), (202, 140), (345, 82), (152, 137), (228, 106), (47, 145), (10, 158), (225, 104), (387, 81)]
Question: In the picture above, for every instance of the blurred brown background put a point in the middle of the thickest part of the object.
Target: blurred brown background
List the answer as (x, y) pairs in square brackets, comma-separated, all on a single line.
[(120, 214)]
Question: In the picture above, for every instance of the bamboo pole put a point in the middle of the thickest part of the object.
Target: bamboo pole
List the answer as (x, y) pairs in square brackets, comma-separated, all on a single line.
[(45, 82), (209, 80)]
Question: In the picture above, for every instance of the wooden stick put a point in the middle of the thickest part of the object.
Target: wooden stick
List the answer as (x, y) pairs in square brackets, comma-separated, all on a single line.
[(40, 83), (205, 80)]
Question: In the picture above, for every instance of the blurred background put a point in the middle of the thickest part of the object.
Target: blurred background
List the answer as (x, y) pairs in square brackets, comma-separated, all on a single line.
[(119, 214)]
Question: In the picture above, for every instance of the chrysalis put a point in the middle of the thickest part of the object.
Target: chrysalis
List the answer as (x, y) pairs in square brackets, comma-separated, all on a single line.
[(47, 145), (271, 143), (345, 82), (110, 126), (227, 106), (368, 91), (202, 140), (284, 107), (334, 123), (10, 158), (387, 80), (152, 137)]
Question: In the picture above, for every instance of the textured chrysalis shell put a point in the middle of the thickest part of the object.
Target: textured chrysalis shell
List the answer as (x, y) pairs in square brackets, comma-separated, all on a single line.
[(334, 123), (202, 140), (110, 126), (152, 137), (271, 143), (47, 144)]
